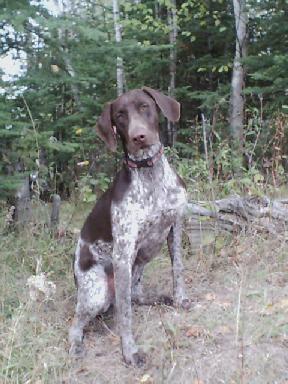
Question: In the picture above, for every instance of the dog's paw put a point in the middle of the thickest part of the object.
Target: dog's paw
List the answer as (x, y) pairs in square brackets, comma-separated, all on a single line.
[(137, 359), (166, 300), (183, 303), (186, 304), (76, 350)]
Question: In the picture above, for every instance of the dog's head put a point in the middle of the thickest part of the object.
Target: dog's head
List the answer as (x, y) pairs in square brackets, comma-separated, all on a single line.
[(134, 117)]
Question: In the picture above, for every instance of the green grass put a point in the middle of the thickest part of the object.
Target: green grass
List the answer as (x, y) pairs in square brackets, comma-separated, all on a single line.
[(236, 332)]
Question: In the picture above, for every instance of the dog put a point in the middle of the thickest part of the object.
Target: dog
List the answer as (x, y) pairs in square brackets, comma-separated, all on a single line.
[(131, 221)]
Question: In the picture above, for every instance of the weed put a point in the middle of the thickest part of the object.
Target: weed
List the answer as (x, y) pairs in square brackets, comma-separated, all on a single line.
[(236, 331)]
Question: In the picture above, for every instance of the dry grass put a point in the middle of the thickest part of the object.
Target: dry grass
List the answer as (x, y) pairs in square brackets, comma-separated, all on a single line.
[(236, 331)]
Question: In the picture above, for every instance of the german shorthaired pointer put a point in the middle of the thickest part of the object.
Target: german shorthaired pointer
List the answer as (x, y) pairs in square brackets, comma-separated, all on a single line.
[(131, 221)]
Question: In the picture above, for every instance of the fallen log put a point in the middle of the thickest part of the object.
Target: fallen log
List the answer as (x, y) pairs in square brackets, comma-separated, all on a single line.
[(236, 213)]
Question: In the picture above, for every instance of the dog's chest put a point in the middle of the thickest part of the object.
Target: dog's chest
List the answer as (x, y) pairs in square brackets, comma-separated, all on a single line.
[(149, 208)]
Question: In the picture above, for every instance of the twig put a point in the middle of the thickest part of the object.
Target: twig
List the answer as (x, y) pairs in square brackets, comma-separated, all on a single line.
[(170, 339), (171, 371), (258, 133), (36, 140), (34, 128), (108, 329), (238, 310), (205, 146)]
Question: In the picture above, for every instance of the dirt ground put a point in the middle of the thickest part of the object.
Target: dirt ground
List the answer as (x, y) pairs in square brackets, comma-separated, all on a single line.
[(235, 332)]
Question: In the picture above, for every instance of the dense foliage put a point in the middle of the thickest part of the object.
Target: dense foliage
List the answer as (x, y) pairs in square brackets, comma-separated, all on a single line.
[(49, 109)]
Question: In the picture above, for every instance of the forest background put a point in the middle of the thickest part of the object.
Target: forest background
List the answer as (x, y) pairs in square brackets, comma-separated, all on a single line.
[(191, 50), (226, 62)]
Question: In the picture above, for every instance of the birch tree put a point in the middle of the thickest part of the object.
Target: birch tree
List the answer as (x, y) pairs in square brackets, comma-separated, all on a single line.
[(172, 22), (238, 76), (62, 8), (118, 38)]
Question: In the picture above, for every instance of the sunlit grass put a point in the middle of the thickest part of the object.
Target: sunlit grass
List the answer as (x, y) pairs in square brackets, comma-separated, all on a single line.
[(236, 329)]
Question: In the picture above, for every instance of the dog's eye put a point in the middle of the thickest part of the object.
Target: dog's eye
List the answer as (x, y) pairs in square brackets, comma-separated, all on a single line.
[(120, 114), (143, 107)]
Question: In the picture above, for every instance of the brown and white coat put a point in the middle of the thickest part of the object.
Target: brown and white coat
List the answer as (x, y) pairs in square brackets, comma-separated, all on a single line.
[(131, 221)]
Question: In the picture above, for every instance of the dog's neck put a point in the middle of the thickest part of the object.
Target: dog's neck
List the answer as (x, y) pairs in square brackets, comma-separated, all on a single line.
[(152, 177), (145, 158)]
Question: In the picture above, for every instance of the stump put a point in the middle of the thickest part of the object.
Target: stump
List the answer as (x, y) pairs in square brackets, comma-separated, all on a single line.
[(22, 213), (54, 219)]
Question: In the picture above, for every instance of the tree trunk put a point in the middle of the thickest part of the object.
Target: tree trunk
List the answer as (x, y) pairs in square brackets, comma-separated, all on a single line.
[(238, 76), (63, 8), (118, 38), (172, 22), (54, 219), (70, 70)]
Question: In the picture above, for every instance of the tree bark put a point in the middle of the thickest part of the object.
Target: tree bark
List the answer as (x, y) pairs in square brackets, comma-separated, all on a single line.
[(119, 59), (235, 214), (22, 214), (54, 219), (62, 8), (238, 76), (172, 22)]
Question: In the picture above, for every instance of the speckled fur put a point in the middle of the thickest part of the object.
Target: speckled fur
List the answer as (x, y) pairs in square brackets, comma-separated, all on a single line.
[(148, 213)]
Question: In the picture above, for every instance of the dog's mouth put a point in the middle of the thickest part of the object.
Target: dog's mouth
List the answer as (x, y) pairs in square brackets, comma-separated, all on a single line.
[(145, 151), (145, 146)]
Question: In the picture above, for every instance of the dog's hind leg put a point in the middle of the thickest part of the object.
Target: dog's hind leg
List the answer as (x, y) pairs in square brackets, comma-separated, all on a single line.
[(93, 297), (80, 320)]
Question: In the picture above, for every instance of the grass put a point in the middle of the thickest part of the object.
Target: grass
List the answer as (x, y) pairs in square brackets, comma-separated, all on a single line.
[(236, 331)]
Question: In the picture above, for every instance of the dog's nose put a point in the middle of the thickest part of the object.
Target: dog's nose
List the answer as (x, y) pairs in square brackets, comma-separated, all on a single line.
[(139, 139)]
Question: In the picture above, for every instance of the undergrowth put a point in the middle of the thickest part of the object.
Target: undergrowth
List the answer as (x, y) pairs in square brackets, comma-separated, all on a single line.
[(236, 331)]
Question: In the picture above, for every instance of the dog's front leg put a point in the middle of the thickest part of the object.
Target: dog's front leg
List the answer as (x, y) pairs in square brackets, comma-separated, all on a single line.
[(175, 249), (123, 257)]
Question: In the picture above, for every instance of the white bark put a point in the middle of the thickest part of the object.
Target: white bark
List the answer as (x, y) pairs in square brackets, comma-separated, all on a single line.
[(235, 214), (238, 76), (118, 38), (172, 22), (63, 7)]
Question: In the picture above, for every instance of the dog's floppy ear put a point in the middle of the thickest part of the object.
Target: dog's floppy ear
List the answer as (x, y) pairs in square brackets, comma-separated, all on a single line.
[(169, 107), (105, 129)]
